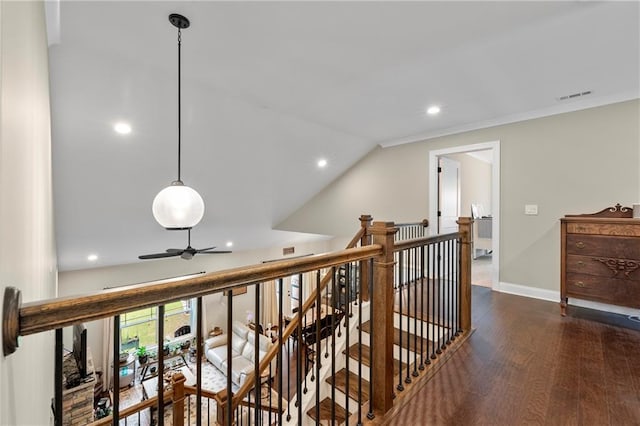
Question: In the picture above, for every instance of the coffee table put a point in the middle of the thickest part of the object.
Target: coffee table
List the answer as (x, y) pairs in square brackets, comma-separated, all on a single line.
[(150, 388)]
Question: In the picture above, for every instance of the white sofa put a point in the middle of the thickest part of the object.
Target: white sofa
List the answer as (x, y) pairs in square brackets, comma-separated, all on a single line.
[(242, 351)]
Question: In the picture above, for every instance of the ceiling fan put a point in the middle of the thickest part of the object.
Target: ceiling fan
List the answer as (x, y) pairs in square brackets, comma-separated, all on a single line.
[(186, 254)]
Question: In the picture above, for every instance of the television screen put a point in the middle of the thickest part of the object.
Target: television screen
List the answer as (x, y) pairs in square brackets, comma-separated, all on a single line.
[(80, 348)]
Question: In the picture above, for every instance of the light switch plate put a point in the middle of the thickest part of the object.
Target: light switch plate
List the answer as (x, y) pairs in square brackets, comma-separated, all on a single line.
[(531, 209)]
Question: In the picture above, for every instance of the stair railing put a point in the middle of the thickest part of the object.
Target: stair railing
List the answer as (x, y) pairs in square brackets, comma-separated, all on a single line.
[(375, 265), (294, 326)]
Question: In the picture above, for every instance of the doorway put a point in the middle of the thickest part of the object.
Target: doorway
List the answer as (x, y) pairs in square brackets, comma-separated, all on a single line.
[(481, 203)]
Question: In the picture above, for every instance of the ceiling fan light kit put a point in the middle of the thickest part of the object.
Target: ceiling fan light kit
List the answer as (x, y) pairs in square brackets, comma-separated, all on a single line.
[(178, 206)]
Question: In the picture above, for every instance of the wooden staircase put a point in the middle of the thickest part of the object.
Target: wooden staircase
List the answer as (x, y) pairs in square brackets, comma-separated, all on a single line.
[(407, 346)]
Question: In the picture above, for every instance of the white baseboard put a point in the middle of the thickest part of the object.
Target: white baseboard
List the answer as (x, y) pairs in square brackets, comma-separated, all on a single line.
[(526, 291), (604, 307), (554, 296)]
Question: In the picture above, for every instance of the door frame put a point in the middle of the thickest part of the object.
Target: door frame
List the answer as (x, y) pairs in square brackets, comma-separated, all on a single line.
[(494, 146)]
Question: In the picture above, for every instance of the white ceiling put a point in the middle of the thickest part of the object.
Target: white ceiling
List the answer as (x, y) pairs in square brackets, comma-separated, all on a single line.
[(271, 87)]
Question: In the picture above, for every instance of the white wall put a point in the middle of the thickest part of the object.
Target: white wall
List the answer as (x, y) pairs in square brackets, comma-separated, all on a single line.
[(577, 162), (91, 280), (27, 247)]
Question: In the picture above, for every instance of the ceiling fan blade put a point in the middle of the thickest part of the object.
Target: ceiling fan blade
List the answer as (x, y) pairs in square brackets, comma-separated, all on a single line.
[(205, 249), (158, 255), (172, 250)]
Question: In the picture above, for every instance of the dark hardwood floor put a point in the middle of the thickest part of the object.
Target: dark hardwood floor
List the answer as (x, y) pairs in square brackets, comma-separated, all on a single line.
[(527, 365)]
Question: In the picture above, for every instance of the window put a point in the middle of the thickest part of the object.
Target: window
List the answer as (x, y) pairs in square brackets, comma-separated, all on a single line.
[(140, 328)]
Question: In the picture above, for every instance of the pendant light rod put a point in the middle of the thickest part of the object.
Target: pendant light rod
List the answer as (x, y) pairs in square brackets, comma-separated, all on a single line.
[(179, 102), (180, 22)]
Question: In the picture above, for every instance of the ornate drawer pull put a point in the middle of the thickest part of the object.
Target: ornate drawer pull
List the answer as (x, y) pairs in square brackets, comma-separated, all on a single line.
[(580, 244), (579, 284)]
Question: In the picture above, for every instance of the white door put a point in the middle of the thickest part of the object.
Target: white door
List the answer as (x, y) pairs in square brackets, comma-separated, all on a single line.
[(448, 195)]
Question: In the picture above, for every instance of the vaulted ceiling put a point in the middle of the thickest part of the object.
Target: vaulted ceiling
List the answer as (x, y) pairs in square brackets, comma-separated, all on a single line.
[(269, 88)]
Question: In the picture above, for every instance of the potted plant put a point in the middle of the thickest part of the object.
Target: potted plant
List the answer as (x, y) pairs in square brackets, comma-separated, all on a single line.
[(185, 345), (166, 350), (143, 357), (175, 349)]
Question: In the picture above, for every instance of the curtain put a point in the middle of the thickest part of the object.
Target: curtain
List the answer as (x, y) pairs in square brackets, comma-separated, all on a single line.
[(203, 325), (308, 284), (269, 308), (107, 353)]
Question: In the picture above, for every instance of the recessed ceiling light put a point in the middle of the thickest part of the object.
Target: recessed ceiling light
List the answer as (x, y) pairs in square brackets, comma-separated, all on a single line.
[(229, 243), (322, 163), (92, 257), (433, 110), (122, 128)]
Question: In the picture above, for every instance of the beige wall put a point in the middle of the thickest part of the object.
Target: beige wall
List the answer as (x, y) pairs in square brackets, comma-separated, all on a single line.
[(27, 247), (475, 183), (576, 162), (90, 280)]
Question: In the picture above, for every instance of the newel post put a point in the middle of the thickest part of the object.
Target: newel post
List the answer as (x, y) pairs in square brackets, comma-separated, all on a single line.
[(365, 240), (221, 407), (464, 227), (177, 384), (382, 321)]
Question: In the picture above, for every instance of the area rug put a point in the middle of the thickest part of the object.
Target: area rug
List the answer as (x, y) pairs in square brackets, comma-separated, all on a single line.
[(213, 380)]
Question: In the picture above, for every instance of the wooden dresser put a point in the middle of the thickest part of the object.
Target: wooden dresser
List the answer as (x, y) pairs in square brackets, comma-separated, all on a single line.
[(601, 257)]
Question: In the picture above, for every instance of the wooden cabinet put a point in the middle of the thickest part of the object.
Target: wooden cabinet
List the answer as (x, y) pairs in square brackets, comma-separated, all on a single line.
[(601, 257)]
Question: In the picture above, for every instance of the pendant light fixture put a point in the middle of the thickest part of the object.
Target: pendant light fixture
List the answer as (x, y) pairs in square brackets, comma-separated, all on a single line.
[(178, 206)]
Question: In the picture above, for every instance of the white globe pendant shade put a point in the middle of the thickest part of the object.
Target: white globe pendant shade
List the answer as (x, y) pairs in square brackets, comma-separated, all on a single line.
[(178, 207)]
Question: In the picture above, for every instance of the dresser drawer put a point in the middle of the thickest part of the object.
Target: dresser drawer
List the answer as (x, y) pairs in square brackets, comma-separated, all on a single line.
[(600, 245), (612, 229), (615, 291), (604, 266)]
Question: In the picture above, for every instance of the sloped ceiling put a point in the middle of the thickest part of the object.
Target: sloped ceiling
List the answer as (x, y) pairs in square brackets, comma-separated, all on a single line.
[(271, 87)]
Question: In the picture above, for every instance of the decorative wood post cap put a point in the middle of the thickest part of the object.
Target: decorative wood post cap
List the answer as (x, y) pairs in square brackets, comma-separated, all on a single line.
[(464, 220), (178, 378), (383, 228), (425, 223)]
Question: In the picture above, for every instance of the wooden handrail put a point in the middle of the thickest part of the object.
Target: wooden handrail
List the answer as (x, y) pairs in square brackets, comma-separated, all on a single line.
[(192, 390), (143, 405), (356, 238), (36, 317)]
